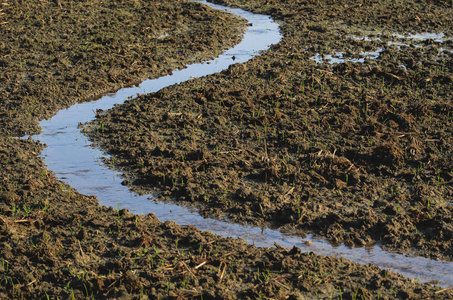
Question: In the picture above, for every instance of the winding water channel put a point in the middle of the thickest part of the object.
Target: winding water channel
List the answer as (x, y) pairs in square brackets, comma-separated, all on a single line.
[(74, 161)]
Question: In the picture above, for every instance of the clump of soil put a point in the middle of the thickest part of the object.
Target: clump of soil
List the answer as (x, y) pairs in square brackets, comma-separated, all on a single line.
[(357, 152)]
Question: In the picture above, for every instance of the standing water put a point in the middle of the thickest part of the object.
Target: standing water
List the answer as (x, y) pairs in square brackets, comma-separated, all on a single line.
[(74, 161)]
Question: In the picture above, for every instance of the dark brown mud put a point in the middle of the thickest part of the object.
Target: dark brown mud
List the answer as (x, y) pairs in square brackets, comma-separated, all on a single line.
[(58, 244), (357, 152), (54, 53)]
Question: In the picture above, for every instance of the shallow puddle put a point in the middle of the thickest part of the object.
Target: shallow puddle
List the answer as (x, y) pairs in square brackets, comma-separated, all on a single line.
[(339, 57), (70, 156), (400, 41)]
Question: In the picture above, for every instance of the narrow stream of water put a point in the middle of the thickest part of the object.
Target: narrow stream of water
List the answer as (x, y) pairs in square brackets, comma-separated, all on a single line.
[(74, 161)]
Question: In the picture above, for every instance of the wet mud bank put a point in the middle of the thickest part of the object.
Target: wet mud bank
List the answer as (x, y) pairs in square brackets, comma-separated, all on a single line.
[(59, 244), (356, 152), (54, 54)]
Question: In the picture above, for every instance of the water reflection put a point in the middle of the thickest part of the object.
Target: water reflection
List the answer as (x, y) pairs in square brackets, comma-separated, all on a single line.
[(400, 41)]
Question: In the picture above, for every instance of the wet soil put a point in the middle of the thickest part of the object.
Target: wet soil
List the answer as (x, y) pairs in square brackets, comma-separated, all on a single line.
[(59, 244), (54, 53), (357, 152)]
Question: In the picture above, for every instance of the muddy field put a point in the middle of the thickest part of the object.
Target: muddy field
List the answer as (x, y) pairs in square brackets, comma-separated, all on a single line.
[(359, 153)]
